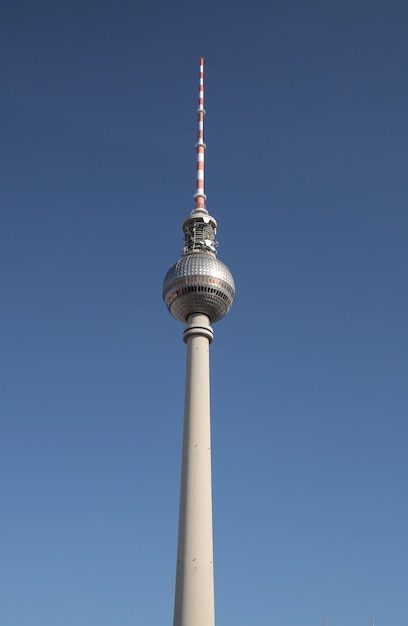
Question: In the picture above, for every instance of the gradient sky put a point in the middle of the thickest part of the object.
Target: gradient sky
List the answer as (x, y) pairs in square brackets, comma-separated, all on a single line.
[(306, 173)]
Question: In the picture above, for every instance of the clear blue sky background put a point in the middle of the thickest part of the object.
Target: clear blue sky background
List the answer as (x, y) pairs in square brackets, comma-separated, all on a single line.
[(307, 149)]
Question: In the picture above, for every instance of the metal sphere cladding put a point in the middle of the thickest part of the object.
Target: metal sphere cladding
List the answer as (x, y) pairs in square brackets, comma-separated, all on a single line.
[(198, 283)]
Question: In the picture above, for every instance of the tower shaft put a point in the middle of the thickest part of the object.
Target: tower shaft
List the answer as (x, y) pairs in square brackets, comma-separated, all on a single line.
[(194, 599)]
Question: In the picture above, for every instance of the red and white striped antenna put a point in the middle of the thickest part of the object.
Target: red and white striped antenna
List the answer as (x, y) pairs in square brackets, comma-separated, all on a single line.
[(200, 196), (372, 620)]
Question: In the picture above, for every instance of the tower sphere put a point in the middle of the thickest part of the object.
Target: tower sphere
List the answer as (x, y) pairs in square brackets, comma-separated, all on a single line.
[(198, 283)]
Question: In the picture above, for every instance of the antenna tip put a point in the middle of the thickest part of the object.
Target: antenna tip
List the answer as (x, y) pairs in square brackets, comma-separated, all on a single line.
[(201, 60)]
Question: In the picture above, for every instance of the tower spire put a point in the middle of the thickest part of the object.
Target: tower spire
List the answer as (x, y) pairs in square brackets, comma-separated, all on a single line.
[(200, 228), (200, 196)]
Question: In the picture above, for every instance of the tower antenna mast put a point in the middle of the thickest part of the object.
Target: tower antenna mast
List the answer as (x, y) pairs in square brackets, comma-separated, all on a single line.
[(200, 196)]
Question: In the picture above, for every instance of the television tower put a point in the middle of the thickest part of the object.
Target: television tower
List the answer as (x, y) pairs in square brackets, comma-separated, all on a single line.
[(197, 290)]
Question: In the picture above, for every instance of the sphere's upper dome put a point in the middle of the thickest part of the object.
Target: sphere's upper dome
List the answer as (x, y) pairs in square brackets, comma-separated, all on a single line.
[(198, 283)]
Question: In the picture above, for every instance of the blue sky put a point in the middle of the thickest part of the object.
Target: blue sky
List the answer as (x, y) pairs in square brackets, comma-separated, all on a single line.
[(306, 173)]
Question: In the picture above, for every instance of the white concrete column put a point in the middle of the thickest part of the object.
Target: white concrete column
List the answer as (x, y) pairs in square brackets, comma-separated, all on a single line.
[(194, 600)]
